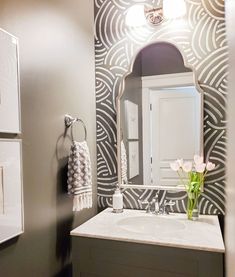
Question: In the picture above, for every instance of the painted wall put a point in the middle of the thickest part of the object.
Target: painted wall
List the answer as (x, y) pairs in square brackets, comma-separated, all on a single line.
[(201, 37), (57, 77)]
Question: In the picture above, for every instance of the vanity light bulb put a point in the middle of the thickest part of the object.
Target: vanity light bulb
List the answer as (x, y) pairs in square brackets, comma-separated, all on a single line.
[(174, 8), (135, 16)]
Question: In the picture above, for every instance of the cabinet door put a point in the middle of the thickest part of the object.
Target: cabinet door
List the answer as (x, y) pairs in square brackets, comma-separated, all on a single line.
[(121, 259)]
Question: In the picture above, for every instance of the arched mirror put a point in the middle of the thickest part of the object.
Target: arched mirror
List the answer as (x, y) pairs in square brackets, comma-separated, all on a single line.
[(159, 119)]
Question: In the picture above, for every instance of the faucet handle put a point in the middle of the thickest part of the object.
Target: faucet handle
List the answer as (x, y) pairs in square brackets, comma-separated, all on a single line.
[(166, 204)]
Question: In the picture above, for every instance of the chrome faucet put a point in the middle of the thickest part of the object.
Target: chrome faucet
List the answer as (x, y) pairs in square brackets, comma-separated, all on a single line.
[(154, 206)]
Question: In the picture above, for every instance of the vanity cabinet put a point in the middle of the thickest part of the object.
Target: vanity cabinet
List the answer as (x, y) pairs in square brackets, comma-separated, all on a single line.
[(136, 244), (106, 258)]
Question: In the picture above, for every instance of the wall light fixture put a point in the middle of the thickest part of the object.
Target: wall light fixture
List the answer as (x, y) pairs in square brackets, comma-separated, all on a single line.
[(141, 14), (135, 16), (174, 8)]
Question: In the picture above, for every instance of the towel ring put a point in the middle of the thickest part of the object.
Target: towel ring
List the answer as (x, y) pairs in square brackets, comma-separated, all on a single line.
[(69, 122), (84, 127)]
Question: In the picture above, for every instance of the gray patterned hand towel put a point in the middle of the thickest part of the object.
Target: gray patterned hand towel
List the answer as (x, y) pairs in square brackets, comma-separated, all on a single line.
[(123, 163), (79, 176)]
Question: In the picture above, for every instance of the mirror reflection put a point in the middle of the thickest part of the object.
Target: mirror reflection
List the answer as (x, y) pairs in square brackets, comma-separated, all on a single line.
[(160, 117)]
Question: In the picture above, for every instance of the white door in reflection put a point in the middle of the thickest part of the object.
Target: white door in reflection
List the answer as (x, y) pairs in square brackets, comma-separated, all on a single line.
[(174, 126)]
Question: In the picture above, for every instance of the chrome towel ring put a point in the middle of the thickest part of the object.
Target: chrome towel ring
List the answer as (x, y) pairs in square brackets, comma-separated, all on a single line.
[(69, 122)]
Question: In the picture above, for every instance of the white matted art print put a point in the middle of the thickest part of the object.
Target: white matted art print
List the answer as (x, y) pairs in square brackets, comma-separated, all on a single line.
[(9, 84), (11, 195), (133, 159), (132, 120), (1, 192)]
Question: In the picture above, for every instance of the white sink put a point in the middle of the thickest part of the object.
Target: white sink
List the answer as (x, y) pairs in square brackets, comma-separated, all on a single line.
[(173, 230), (151, 224)]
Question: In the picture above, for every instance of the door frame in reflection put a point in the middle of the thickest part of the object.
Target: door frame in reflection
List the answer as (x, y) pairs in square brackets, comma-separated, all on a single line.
[(159, 82)]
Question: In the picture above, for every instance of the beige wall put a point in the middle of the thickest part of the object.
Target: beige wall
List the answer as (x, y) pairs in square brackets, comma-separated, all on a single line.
[(57, 77), (230, 214)]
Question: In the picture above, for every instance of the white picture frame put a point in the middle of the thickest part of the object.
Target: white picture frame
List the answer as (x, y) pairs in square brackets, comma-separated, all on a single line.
[(132, 120), (133, 159), (10, 118), (11, 213), (1, 191)]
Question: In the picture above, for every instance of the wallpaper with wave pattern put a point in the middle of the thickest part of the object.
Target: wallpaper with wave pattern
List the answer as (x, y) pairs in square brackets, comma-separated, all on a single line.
[(201, 38)]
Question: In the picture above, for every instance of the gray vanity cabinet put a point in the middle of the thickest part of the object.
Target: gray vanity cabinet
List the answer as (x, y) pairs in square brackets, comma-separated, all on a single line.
[(107, 258)]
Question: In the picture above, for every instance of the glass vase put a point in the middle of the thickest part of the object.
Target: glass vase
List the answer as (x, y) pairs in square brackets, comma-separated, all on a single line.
[(192, 206)]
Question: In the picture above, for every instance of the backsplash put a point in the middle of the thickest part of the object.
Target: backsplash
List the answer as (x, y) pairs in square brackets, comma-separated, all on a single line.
[(202, 39)]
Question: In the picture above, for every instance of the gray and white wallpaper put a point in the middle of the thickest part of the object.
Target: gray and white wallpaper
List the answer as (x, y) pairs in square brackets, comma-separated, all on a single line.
[(201, 37)]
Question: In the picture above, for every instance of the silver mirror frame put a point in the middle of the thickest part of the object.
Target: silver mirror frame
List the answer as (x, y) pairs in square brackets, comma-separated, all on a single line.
[(118, 105)]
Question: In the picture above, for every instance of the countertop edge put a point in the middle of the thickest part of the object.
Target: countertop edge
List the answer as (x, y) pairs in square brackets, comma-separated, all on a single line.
[(157, 243)]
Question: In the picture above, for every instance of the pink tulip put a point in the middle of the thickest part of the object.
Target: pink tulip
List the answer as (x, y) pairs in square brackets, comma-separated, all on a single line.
[(175, 166), (200, 167), (187, 166), (198, 159), (210, 166), (180, 162)]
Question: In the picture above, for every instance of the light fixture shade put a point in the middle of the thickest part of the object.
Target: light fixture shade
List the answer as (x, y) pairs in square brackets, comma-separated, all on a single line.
[(135, 16), (154, 15), (174, 8)]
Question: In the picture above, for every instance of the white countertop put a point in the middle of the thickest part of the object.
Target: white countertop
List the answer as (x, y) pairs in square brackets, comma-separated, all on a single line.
[(204, 234)]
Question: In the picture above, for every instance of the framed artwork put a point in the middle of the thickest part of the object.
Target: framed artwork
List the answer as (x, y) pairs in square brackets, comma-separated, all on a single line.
[(9, 84), (11, 192), (133, 159), (1, 191), (132, 122)]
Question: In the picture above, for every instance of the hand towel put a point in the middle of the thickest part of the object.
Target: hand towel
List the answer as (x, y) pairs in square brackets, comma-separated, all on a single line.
[(79, 176), (123, 163)]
